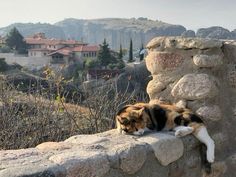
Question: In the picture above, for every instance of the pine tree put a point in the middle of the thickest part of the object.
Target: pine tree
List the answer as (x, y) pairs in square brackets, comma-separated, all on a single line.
[(131, 51), (104, 55), (16, 41), (121, 52)]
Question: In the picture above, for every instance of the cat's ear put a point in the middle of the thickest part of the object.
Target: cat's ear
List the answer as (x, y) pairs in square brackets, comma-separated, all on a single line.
[(121, 109), (138, 112), (141, 111)]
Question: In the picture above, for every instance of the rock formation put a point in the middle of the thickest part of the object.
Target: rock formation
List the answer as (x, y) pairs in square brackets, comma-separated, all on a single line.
[(201, 73)]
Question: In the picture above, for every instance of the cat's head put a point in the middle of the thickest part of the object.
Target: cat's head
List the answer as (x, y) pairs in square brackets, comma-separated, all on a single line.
[(132, 119)]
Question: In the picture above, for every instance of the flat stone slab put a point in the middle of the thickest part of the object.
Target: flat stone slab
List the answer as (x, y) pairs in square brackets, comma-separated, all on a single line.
[(161, 43), (167, 148), (91, 155)]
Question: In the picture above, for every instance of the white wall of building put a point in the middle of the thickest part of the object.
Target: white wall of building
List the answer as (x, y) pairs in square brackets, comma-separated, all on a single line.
[(29, 62)]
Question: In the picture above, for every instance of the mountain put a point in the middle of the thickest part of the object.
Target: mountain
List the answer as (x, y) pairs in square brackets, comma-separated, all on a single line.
[(216, 32), (116, 30), (27, 29)]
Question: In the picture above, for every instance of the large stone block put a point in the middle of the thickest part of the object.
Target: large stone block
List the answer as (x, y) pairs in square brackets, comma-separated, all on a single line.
[(194, 87), (132, 158), (163, 61), (212, 112), (207, 61), (162, 43), (83, 163), (155, 87), (166, 148)]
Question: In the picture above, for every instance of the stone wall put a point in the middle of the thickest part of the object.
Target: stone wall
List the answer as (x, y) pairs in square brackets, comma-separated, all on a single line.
[(28, 62), (199, 73), (107, 154)]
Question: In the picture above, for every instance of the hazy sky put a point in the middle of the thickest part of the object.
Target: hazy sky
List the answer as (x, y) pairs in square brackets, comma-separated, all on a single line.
[(192, 14)]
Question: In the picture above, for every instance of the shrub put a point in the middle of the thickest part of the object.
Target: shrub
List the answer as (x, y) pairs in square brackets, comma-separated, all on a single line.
[(29, 119), (3, 65)]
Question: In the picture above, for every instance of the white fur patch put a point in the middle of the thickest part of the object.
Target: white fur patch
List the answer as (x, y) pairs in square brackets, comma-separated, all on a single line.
[(181, 131), (204, 137), (141, 131)]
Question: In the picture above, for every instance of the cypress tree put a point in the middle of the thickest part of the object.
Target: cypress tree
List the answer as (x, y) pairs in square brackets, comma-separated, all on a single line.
[(121, 52), (131, 51)]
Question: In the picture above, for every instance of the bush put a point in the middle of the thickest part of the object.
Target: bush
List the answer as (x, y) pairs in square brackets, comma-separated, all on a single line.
[(5, 49), (91, 63), (29, 119), (3, 65)]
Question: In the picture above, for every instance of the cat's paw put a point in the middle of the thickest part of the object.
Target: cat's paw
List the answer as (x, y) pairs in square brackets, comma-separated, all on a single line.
[(183, 132)]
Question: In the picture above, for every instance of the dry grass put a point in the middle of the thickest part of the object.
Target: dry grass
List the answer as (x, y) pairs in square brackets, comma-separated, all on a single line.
[(29, 119)]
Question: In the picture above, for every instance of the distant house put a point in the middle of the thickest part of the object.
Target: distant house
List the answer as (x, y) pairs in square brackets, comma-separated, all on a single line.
[(60, 51), (39, 45), (86, 51)]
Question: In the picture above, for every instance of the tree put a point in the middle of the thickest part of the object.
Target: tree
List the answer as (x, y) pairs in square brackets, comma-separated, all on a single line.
[(15, 41), (121, 52), (131, 51), (3, 65), (104, 54), (141, 53)]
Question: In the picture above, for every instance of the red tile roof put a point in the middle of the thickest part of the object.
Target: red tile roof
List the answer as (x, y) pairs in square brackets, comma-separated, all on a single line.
[(31, 40), (64, 51), (86, 48)]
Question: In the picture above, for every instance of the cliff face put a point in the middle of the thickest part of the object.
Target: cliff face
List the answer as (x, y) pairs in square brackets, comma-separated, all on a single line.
[(116, 31)]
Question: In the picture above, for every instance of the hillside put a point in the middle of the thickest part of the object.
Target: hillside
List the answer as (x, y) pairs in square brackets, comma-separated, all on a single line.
[(116, 30)]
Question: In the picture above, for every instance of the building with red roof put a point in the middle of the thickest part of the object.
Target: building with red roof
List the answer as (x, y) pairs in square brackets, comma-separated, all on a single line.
[(60, 51), (39, 45)]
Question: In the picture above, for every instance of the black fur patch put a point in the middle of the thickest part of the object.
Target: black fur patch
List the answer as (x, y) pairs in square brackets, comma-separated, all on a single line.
[(159, 115), (195, 118), (178, 120), (122, 109)]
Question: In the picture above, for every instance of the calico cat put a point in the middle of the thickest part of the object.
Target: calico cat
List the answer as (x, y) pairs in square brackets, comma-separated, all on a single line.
[(140, 117)]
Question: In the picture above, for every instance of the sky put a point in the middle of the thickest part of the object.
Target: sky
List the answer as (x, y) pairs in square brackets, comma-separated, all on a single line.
[(193, 14)]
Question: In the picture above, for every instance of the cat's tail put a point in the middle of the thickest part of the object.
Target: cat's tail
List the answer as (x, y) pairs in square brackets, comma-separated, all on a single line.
[(205, 164)]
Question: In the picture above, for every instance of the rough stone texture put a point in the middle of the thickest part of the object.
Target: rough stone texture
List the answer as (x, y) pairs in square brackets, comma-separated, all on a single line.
[(207, 60), (205, 82), (83, 163), (132, 158), (206, 90), (194, 87), (163, 61), (210, 112), (154, 87), (100, 155), (167, 149), (162, 43)]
